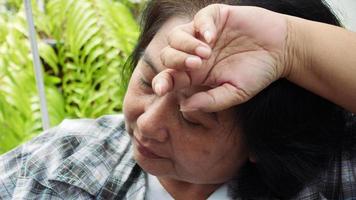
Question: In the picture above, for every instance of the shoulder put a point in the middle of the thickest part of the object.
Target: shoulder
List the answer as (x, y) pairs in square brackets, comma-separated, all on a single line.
[(78, 153), (338, 181), (91, 128), (74, 134), (340, 178)]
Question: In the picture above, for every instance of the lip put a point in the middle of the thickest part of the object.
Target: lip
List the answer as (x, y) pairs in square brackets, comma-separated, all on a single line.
[(146, 151)]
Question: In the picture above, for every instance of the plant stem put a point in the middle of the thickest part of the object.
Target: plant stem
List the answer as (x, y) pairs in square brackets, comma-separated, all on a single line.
[(37, 65)]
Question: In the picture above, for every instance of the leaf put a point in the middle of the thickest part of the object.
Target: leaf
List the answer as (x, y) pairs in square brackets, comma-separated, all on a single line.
[(49, 56), (81, 71)]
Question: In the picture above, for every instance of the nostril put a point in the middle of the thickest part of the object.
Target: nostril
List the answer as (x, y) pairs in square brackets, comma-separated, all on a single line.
[(159, 135), (151, 130)]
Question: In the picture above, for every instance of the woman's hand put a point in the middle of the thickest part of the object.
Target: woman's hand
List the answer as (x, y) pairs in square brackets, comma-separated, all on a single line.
[(236, 51)]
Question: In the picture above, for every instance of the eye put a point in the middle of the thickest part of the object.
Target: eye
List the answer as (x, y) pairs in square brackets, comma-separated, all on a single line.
[(145, 84), (190, 120)]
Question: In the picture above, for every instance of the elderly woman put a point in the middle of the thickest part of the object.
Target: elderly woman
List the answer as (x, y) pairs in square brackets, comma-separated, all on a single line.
[(185, 133)]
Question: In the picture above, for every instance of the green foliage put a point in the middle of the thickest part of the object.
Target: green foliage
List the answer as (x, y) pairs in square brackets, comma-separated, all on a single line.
[(11, 6), (20, 117), (83, 45)]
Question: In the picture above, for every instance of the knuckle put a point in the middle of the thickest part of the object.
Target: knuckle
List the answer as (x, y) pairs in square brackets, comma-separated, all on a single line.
[(239, 95), (177, 60), (188, 45), (212, 97), (172, 59)]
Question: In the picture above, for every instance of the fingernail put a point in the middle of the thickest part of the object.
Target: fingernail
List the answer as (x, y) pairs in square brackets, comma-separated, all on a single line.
[(203, 51), (207, 36), (193, 62), (159, 87)]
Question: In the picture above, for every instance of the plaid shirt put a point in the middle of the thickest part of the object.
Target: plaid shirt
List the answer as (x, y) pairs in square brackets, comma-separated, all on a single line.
[(92, 159), (79, 159)]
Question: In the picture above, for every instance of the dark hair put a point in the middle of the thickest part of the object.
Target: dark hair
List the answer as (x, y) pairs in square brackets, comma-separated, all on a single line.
[(292, 132)]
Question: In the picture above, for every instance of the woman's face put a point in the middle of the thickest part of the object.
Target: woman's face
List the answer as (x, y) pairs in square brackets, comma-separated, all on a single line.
[(196, 147)]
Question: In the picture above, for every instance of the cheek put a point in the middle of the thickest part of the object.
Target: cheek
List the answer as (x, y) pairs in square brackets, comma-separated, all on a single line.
[(194, 150), (210, 161), (132, 105), (219, 150)]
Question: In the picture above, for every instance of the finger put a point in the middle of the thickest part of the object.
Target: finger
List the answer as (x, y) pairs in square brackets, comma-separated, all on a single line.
[(217, 99), (207, 21), (184, 40), (175, 59), (169, 80)]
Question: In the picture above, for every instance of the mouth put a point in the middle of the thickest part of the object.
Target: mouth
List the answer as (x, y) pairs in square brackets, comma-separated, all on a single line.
[(146, 152)]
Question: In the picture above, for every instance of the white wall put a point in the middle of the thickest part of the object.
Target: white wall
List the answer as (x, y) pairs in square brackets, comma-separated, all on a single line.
[(346, 11)]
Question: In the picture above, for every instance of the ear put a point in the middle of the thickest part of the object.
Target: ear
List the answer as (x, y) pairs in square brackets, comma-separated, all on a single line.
[(252, 158)]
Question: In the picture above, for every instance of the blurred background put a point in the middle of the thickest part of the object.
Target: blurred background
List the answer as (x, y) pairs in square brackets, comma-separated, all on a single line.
[(83, 45), (346, 11)]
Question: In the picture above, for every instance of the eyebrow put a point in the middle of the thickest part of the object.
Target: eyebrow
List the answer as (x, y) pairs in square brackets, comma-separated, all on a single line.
[(147, 59)]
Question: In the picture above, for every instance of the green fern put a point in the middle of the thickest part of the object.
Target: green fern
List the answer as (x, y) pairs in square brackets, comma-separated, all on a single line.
[(98, 35), (83, 45), (20, 117)]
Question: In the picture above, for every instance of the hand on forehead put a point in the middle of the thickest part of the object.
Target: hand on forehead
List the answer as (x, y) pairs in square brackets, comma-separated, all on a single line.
[(236, 56)]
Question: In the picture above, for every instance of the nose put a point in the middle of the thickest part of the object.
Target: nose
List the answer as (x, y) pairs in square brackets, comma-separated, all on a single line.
[(154, 122)]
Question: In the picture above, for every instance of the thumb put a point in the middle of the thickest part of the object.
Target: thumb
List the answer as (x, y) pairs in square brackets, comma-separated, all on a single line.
[(208, 21), (216, 99)]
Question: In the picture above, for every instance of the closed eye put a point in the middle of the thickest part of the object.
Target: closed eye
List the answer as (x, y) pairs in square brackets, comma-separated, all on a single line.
[(145, 84)]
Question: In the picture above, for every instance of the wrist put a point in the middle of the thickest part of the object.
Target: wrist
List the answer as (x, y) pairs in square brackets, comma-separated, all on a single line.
[(297, 57)]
